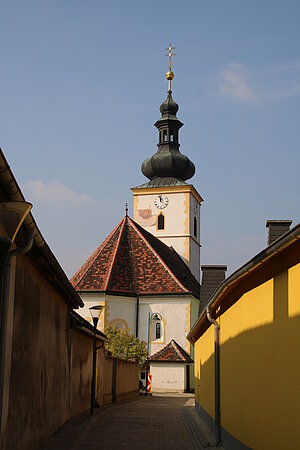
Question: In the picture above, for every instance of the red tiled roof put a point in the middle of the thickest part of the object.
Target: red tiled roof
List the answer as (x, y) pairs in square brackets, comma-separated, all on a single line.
[(134, 262), (172, 352)]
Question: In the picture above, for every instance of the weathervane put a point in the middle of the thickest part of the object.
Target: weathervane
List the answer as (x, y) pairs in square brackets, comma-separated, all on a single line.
[(126, 209), (170, 74)]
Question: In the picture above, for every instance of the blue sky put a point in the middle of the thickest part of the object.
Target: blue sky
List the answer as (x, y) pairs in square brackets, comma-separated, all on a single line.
[(81, 85)]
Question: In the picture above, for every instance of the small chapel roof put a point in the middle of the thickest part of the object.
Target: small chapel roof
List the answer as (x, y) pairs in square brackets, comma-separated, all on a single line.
[(172, 352), (131, 261)]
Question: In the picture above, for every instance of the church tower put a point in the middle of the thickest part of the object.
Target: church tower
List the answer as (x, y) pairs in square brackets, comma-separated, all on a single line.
[(167, 206)]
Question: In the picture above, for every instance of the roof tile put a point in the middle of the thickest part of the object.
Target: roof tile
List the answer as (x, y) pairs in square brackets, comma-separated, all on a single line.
[(172, 352), (131, 260)]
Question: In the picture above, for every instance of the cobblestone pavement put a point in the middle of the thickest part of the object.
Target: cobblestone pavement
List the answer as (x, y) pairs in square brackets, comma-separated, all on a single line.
[(158, 422)]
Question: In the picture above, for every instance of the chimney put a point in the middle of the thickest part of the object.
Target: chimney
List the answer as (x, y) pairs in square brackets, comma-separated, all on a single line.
[(212, 277), (277, 228)]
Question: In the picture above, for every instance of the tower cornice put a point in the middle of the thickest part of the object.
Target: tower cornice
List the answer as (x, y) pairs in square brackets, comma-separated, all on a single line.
[(188, 188)]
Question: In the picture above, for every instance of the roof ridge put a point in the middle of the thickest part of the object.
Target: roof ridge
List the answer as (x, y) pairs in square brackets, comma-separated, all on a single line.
[(175, 346), (115, 253), (182, 262), (181, 350), (90, 261), (158, 256)]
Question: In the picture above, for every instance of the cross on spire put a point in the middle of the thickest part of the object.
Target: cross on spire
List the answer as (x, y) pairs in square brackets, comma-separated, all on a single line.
[(170, 54), (126, 209), (170, 74)]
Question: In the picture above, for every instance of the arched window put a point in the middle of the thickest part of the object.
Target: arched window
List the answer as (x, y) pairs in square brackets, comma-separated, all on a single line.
[(161, 222), (157, 330), (195, 227)]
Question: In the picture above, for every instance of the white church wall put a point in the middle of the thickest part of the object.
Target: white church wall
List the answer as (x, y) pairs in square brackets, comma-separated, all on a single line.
[(121, 312), (179, 216), (167, 377), (175, 312), (93, 299), (118, 310)]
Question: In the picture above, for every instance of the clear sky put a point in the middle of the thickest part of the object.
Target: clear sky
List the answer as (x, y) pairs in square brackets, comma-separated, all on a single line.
[(81, 85)]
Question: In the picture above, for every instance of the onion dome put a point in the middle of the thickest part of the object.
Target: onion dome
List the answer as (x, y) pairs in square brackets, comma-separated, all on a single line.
[(169, 106), (168, 161)]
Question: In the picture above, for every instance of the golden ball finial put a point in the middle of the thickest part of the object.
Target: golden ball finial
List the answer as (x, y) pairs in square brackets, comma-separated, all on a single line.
[(169, 75)]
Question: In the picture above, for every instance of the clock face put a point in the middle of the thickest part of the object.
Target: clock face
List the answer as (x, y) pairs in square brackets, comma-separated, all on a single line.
[(161, 201)]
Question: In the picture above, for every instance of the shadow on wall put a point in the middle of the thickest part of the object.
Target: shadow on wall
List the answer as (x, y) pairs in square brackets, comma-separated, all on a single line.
[(259, 380)]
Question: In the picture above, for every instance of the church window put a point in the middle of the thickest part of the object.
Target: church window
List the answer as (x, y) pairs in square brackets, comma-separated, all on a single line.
[(171, 136), (195, 227), (165, 134), (161, 222), (157, 330)]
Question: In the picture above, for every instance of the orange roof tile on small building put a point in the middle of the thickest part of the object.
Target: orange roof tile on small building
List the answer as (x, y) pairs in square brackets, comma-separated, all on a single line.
[(132, 261), (172, 352)]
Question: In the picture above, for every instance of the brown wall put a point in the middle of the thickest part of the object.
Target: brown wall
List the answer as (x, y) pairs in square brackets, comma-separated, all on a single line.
[(108, 380), (38, 396), (121, 380), (127, 380), (51, 365)]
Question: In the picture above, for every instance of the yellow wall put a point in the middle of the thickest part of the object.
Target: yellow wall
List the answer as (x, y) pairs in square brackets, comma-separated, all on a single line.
[(294, 292), (204, 371), (259, 365)]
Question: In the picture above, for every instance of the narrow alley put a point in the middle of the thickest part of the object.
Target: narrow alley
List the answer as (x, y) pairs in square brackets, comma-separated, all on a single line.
[(157, 422)]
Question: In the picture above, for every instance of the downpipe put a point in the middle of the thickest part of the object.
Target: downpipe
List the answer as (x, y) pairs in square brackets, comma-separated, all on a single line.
[(217, 375)]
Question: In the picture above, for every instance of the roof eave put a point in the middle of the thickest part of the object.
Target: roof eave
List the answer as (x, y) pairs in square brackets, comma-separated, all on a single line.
[(243, 272), (14, 193), (136, 294), (170, 361)]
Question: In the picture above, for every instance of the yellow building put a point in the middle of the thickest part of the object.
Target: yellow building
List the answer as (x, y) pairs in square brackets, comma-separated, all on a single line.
[(247, 358)]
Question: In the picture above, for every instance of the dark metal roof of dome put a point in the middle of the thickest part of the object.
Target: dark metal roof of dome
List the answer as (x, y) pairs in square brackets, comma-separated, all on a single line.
[(168, 162)]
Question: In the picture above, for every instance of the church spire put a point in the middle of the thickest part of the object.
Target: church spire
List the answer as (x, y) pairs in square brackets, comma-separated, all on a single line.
[(168, 161)]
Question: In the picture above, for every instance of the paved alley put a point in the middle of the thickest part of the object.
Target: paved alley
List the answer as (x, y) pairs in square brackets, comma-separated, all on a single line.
[(158, 422)]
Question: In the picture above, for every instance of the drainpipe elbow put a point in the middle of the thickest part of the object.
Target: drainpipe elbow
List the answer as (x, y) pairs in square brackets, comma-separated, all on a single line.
[(22, 250), (211, 319)]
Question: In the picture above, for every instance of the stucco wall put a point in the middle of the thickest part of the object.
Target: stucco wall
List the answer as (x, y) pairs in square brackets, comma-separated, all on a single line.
[(175, 312), (127, 380), (51, 366), (179, 221), (121, 380), (81, 372), (259, 364), (168, 377), (39, 397), (204, 371), (107, 380)]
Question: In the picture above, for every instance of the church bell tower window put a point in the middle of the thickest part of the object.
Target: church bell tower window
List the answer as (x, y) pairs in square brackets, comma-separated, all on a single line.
[(161, 222), (195, 227)]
